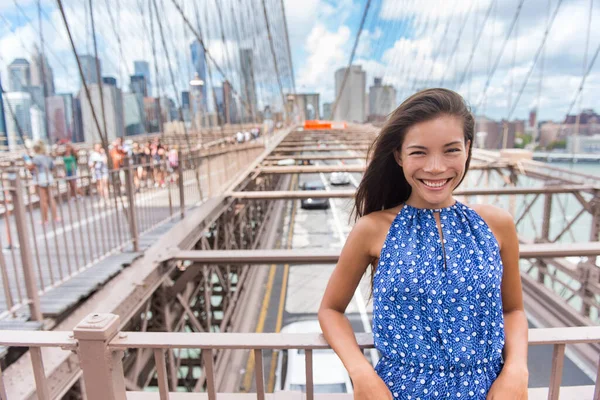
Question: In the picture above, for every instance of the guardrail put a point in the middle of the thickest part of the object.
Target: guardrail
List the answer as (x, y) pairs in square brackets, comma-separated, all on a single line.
[(100, 347), (85, 218)]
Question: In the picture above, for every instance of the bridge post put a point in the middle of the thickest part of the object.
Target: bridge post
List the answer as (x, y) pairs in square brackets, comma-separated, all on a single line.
[(130, 189), (16, 191), (102, 367), (180, 184)]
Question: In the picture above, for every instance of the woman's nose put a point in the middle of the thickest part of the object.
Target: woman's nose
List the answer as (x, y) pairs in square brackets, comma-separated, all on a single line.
[(435, 164)]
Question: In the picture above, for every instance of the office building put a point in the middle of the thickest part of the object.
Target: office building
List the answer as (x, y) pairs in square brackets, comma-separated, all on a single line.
[(382, 100), (351, 101), (133, 113), (248, 84), (90, 69), (58, 128), (41, 73), (199, 63), (143, 68), (19, 75), (113, 109), (18, 117)]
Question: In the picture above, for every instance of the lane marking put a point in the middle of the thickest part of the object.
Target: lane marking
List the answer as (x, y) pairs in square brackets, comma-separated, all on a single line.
[(259, 328), (284, 284)]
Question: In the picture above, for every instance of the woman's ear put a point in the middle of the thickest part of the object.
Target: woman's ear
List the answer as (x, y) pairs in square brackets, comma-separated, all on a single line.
[(468, 146), (398, 157)]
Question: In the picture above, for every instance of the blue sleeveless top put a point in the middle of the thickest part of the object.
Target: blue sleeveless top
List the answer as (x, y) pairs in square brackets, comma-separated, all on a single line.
[(437, 308)]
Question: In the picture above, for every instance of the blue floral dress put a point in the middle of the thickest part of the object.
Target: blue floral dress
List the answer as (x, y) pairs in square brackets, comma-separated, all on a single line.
[(437, 308)]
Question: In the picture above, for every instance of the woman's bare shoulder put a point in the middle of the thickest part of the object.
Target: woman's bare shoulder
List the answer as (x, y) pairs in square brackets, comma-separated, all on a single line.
[(500, 221), (372, 229)]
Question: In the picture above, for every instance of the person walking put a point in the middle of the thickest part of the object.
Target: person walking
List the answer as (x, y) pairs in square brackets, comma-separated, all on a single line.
[(41, 167), (448, 314), (98, 162), (70, 162)]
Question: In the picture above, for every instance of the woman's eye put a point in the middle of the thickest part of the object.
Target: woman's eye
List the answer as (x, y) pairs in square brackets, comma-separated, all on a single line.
[(453, 150), (416, 153)]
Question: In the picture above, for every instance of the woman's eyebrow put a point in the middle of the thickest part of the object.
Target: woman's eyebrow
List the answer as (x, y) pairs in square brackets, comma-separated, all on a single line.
[(416, 147), (452, 143)]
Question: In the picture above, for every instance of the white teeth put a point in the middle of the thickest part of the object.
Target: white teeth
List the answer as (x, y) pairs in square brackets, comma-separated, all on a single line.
[(435, 184)]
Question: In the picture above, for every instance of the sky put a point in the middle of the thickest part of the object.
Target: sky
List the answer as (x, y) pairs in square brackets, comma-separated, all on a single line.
[(490, 51)]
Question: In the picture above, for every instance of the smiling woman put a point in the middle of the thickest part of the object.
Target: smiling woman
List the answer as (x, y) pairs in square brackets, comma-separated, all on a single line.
[(448, 314)]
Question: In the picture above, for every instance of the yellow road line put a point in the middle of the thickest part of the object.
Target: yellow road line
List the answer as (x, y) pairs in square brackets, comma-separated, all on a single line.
[(284, 283), (260, 326), (247, 384)]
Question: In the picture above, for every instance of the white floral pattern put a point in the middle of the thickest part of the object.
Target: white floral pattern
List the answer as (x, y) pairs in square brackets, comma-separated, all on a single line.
[(439, 324)]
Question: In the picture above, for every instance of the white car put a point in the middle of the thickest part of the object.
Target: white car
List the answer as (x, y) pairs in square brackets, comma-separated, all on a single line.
[(339, 178), (329, 374), (286, 162)]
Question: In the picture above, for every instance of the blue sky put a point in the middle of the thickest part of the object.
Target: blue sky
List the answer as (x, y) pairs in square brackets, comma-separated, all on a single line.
[(409, 43)]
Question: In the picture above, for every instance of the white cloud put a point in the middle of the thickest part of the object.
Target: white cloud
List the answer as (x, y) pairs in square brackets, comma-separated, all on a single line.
[(326, 51)]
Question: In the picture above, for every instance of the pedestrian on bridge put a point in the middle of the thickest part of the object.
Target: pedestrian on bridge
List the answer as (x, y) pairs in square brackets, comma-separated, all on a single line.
[(448, 316), (41, 166)]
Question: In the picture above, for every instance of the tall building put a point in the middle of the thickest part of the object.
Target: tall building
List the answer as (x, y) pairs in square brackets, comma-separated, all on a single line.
[(139, 85), (327, 110), (78, 136), (133, 114), (185, 106), (19, 75), (351, 101), (382, 100), (143, 68), (41, 73), (3, 134), (229, 104), (199, 62), (58, 128), (152, 112), (113, 109), (220, 104), (248, 83), (18, 118), (69, 115), (90, 70), (109, 80), (38, 123)]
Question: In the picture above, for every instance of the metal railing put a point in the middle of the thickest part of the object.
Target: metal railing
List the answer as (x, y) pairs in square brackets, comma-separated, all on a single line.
[(100, 347), (84, 218)]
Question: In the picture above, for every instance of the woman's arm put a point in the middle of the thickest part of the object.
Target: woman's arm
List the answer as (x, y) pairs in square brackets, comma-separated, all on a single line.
[(514, 377), (354, 260), (356, 256), (515, 321)]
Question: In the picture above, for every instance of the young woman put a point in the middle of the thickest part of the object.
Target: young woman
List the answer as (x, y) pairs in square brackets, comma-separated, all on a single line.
[(41, 166), (70, 161), (448, 315)]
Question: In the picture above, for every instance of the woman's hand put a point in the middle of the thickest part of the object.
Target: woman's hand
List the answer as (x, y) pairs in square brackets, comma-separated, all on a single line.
[(511, 384), (369, 386)]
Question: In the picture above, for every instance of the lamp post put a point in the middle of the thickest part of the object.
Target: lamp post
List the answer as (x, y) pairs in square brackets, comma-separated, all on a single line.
[(196, 84)]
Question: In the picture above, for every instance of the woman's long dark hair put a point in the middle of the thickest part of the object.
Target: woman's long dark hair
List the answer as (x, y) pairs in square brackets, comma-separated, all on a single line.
[(383, 184)]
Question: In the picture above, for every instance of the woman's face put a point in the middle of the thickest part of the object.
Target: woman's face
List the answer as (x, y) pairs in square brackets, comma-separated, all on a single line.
[(433, 158)]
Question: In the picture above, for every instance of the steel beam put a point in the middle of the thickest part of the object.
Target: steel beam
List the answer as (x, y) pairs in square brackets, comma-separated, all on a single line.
[(304, 194), (327, 256), (312, 169)]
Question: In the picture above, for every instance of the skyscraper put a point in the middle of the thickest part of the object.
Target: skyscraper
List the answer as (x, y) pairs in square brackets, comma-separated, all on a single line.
[(185, 105), (199, 62), (41, 72), (248, 83), (19, 75), (382, 100), (139, 85), (143, 68), (109, 80), (351, 102), (90, 72), (113, 108), (69, 115), (18, 118), (58, 128), (133, 114)]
